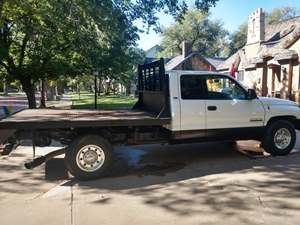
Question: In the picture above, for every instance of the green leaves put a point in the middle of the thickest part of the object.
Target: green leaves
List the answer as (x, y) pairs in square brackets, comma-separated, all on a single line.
[(76, 35), (54, 38), (206, 35), (205, 5), (238, 39), (283, 13)]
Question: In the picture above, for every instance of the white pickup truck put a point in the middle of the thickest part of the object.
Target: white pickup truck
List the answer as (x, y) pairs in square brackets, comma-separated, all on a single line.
[(173, 107)]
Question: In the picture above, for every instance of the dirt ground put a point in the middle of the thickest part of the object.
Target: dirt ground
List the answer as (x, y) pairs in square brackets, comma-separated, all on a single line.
[(193, 184)]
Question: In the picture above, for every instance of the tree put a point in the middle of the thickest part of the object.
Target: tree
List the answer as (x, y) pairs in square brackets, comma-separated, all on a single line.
[(3, 84), (45, 39), (128, 75), (238, 39), (146, 10), (281, 14), (206, 35)]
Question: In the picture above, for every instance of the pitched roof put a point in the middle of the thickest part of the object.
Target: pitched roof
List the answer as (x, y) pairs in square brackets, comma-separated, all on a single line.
[(174, 62), (278, 38), (276, 31), (228, 62), (215, 61), (177, 60)]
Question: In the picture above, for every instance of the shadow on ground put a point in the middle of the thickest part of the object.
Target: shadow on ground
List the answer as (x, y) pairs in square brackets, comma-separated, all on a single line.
[(181, 162), (225, 181), (237, 184)]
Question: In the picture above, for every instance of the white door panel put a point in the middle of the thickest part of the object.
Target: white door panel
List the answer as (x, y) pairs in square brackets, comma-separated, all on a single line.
[(234, 113), (216, 102), (192, 107), (174, 102), (193, 114)]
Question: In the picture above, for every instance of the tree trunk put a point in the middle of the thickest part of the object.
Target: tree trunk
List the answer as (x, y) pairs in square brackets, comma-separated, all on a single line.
[(28, 88), (78, 90), (60, 88), (5, 87), (128, 89), (99, 86), (43, 94), (108, 87), (56, 91), (51, 93)]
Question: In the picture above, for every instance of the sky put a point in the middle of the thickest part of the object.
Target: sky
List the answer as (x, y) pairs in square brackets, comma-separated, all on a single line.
[(231, 12)]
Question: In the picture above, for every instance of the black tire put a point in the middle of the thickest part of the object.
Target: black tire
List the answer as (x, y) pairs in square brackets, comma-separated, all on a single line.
[(72, 154), (268, 142)]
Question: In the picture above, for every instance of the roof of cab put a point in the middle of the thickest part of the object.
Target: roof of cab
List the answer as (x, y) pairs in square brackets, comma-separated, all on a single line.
[(196, 72)]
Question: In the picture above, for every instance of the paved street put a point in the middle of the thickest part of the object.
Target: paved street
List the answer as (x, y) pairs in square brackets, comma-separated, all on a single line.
[(184, 184), (19, 102), (14, 103)]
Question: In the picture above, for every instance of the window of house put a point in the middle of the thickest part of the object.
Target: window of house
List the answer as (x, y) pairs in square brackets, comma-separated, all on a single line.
[(253, 27), (224, 88), (240, 75)]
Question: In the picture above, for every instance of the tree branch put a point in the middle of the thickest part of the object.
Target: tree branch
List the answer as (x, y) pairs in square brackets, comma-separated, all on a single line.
[(4, 65), (23, 47)]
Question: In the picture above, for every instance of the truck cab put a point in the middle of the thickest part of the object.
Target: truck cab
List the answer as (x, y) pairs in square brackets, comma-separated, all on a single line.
[(212, 106), (202, 100)]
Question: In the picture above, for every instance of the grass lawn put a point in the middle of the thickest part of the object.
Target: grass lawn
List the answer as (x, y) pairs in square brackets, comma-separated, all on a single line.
[(86, 101)]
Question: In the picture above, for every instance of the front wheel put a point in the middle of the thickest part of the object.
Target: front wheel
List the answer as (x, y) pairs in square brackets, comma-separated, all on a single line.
[(88, 157), (280, 138)]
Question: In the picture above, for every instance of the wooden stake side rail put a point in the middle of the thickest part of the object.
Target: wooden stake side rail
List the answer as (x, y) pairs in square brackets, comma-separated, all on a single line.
[(50, 118)]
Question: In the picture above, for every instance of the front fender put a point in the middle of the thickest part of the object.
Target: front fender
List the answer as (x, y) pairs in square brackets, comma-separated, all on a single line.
[(290, 112)]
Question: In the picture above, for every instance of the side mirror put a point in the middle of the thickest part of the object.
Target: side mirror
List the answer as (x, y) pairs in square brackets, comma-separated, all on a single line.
[(252, 94)]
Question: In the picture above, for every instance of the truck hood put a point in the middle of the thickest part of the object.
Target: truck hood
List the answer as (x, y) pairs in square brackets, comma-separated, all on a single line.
[(266, 101)]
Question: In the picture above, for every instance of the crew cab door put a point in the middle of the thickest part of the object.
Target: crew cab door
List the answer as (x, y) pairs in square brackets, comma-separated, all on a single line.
[(192, 103), (228, 105)]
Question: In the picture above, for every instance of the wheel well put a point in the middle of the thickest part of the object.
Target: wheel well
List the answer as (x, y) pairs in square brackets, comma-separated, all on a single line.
[(291, 119)]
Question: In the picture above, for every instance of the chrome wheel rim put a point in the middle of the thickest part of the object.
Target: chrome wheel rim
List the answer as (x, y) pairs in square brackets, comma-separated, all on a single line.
[(282, 138), (90, 158)]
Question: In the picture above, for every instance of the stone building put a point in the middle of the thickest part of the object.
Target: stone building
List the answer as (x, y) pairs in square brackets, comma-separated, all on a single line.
[(192, 60), (269, 62)]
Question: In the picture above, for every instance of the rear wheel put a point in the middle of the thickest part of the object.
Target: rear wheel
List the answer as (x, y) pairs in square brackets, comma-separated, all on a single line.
[(88, 157), (280, 138)]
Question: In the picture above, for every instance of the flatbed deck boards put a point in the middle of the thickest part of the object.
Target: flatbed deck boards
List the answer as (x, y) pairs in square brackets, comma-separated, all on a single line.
[(51, 118)]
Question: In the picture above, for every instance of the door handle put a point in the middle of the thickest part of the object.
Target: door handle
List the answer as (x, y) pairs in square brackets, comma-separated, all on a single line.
[(211, 108)]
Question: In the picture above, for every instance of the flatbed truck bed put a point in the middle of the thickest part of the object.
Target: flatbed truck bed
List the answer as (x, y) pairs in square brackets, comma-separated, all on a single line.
[(29, 119), (147, 122)]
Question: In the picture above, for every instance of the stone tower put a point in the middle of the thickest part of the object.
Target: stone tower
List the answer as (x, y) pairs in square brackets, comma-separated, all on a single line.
[(256, 27)]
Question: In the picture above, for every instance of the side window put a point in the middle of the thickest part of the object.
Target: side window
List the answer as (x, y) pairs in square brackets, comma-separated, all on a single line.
[(193, 87), (224, 88)]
